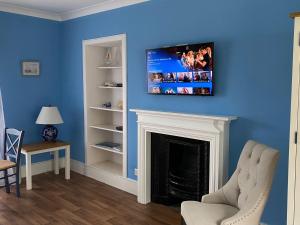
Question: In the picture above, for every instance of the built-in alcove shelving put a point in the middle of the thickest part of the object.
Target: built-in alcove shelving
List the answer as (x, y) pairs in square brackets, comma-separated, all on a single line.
[(105, 82)]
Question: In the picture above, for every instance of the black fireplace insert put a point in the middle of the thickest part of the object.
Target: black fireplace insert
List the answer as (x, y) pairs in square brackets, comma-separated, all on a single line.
[(179, 169)]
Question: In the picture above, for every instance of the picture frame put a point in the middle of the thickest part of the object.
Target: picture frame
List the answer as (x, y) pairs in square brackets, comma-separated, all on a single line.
[(30, 68)]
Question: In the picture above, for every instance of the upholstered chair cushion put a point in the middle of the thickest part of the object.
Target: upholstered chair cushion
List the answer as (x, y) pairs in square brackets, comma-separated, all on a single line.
[(208, 214), (247, 190)]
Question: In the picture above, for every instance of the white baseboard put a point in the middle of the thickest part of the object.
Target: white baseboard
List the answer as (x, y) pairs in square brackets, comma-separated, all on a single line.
[(42, 167), (119, 182), (77, 167)]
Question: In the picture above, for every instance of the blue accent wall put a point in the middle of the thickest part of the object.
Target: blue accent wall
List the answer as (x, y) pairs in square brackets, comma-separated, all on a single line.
[(28, 38), (253, 55)]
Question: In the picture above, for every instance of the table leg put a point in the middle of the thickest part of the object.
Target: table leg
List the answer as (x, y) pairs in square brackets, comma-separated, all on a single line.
[(56, 162), (67, 163), (28, 172)]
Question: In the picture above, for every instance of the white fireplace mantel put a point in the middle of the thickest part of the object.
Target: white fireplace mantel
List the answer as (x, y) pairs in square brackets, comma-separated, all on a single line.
[(214, 129)]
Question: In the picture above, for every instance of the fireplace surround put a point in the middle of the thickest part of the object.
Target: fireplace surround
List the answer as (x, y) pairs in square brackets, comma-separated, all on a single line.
[(213, 129)]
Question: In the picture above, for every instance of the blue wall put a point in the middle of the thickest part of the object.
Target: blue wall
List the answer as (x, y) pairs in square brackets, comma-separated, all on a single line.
[(253, 47), (28, 38), (253, 43)]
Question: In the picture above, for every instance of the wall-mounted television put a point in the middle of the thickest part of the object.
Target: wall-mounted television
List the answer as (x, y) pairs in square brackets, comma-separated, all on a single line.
[(181, 70)]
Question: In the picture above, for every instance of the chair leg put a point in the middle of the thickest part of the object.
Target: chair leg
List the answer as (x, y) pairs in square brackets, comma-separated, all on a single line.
[(18, 185), (17, 175), (182, 221), (7, 186)]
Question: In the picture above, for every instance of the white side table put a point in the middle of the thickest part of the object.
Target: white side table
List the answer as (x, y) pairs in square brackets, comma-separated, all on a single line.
[(32, 149)]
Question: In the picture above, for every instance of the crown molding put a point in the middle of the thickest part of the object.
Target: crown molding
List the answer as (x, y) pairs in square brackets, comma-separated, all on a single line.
[(10, 8), (68, 15), (101, 7)]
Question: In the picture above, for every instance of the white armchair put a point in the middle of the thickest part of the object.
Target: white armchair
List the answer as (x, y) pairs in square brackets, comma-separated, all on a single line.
[(242, 200)]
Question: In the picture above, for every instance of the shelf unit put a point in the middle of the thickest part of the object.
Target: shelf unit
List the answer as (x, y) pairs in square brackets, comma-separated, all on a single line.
[(109, 67), (113, 109), (106, 87), (107, 127), (108, 164), (107, 149)]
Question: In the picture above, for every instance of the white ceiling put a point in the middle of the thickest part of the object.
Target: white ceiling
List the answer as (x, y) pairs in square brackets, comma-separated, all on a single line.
[(54, 6), (62, 9)]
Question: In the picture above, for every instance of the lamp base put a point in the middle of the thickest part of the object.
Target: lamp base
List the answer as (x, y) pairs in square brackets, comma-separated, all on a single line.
[(50, 133)]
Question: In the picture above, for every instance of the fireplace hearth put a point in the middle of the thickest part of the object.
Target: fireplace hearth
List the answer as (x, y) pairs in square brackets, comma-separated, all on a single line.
[(180, 169)]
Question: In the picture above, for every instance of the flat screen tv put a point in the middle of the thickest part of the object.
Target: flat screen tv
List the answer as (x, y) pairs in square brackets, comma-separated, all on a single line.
[(181, 70)]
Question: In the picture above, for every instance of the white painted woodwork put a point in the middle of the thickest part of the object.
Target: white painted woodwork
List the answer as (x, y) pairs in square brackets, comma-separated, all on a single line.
[(55, 150), (293, 214), (105, 164), (127, 185), (61, 10), (214, 129), (56, 162)]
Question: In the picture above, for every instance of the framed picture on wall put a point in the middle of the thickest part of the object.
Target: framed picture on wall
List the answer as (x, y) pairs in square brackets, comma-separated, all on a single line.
[(30, 68)]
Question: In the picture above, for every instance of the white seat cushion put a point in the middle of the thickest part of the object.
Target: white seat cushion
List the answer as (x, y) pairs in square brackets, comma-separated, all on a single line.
[(197, 213)]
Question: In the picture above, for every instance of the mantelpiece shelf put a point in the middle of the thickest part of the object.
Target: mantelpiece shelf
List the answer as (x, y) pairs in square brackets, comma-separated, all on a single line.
[(109, 167), (113, 109), (107, 127), (107, 149)]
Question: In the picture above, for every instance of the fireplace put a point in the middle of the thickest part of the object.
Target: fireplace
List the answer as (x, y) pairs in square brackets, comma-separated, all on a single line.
[(179, 169), (208, 128)]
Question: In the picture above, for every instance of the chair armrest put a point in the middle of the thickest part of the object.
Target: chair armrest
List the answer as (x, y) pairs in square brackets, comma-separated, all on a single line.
[(217, 197), (242, 218), (250, 215)]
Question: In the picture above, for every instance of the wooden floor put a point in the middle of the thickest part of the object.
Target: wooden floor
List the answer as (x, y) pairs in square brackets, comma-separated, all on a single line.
[(81, 200)]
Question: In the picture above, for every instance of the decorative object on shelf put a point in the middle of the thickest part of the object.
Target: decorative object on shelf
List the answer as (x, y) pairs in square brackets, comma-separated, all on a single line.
[(30, 68), (116, 55), (112, 84), (108, 57), (107, 104), (109, 84), (49, 116), (120, 128), (112, 145), (120, 105)]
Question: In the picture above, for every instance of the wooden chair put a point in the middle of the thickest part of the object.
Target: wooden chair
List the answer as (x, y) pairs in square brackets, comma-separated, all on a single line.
[(12, 153)]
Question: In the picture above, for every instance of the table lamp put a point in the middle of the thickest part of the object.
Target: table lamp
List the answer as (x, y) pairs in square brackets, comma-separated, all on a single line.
[(49, 116)]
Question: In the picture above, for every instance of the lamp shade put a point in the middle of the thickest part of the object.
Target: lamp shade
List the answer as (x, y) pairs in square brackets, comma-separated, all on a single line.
[(49, 115)]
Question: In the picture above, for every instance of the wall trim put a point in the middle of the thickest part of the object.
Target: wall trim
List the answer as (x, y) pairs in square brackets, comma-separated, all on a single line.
[(125, 184), (101, 7), (68, 15), (42, 167), (119, 182), (11, 8)]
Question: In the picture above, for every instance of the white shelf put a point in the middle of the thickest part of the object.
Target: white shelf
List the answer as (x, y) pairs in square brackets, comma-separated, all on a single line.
[(107, 87), (107, 127), (109, 67), (109, 167), (107, 149), (113, 109)]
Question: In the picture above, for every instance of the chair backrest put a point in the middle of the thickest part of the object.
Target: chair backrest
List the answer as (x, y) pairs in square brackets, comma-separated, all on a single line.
[(252, 180), (13, 144)]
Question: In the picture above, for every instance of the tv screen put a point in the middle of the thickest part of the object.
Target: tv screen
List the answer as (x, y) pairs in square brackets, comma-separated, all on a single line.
[(181, 70)]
